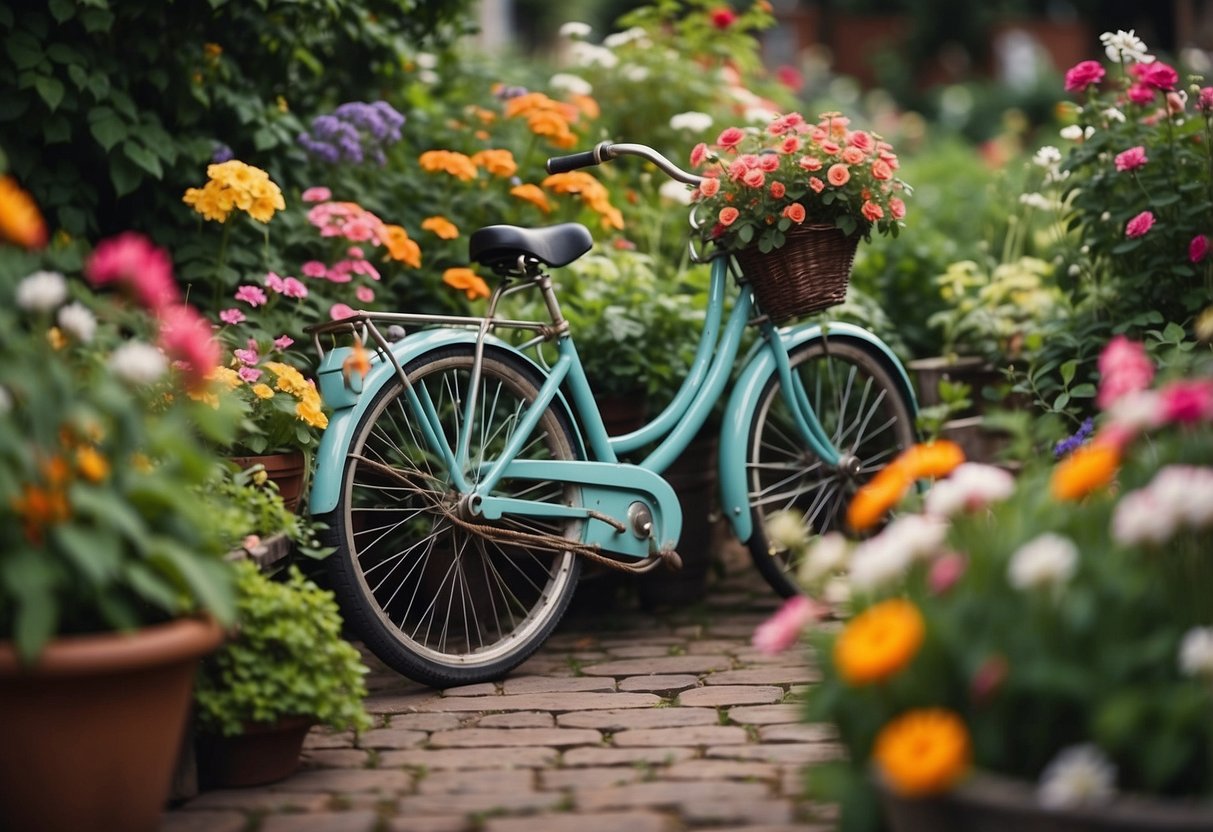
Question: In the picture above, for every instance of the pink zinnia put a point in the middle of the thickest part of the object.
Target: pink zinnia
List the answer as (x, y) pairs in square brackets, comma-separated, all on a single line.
[(273, 282), (314, 268), (252, 295), (783, 629), (139, 266), (340, 310), (249, 374), (730, 138), (283, 341), (791, 144), (1083, 74), (698, 153), (247, 356), (1187, 401), (293, 288), (1124, 368), (232, 316), (1204, 102), (945, 571), (1131, 159), (1198, 248), (768, 162), (365, 294), (1139, 225), (317, 195), (185, 337)]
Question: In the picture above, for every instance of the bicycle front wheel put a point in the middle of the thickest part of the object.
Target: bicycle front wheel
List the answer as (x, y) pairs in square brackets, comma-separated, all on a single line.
[(440, 597), (867, 413)]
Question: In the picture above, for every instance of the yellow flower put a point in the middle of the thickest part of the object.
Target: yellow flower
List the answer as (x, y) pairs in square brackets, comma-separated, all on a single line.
[(879, 642), (400, 247), (56, 338), (310, 413), (441, 226), (497, 162), (263, 391), (532, 194), (1088, 468), (91, 464), (226, 376), (467, 281), (923, 752), (20, 220), (290, 380)]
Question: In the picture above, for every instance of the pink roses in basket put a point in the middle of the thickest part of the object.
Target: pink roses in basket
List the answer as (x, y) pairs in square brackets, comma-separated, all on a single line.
[(762, 182)]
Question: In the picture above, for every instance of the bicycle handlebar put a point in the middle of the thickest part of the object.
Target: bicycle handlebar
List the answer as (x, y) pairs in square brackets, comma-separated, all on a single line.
[(606, 151)]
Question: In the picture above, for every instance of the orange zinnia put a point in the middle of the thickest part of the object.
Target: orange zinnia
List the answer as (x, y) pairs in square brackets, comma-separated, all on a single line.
[(879, 642), (923, 752), (441, 226), (932, 459), (20, 220), (1087, 469), (400, 247), (877, 496), (532, 194), (498, 162), (467, 281), (448, 161)]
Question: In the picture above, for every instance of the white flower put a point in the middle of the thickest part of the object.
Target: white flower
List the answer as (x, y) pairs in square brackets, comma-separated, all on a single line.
[(1187, 491), (1071, 132), (42, 291), (759, 115), (1125, 46), (575, 29), (971, 486), (587, 54), (919, 535), (694, 121), (138, 363), (1035, 200), (878, 562), (426, 60), (1140, 518), (635, 73), (571, 83), (618, 39), (78, 321), (1046, 560), (1136, 411), (675, 192), (828, 554), (1047, 156), (786, 532), (1075, 270), (1196, 652), (1113, 114), (1078, 775), (427, 76)]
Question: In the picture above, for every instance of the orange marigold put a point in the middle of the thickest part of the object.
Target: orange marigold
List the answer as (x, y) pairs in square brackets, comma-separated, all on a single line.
[(587, 105), (448, 161), (20, 220), (554, 126), (532, 194), (877, 496), (498, 162), (932, 459), (467, 281), (532, 102), (441, 226), (400, 246), (1087, 469), (879, 642), (923, 752)]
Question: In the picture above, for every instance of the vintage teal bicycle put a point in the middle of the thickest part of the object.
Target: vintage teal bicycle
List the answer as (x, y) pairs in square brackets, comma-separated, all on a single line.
[(465, 477)]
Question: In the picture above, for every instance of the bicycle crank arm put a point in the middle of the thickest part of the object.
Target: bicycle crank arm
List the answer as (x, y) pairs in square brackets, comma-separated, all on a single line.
[(628, 510)]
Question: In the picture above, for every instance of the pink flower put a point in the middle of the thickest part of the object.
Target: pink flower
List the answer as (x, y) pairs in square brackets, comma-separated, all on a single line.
[(778, 190), (816, 184), (1083, 74), (342, 272), (871, 211), (317, 195), (709, 187), (730, 138), (783, 629), (232, 316), (830, 147), (768, 162), (1158, 75), (1140, 93), (791, 144), (355, 252), (723, 17), (988, 678), (1131, 159), (1187, 401), (314, 268), (882, 170), (140, 267), (897, 208), (1139, 225), (810, 163), (1204, 102), (365, 294), (293, 288), (754, 178), (340, 310), (252, 295), (273, 282), (283, 341), (945, 571), (838, 174), (861, 140), (698, 153), (1198, 248), (249, 356), (1123, 368), (852, 155), (248, 374), (795, 212), (728, 215), (790, 77), (185, 337)]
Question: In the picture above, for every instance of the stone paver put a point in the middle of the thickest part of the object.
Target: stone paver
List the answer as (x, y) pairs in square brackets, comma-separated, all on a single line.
[(625, 721)]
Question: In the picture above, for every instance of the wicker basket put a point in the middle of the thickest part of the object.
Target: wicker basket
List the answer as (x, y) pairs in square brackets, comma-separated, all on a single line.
[(808, 273)]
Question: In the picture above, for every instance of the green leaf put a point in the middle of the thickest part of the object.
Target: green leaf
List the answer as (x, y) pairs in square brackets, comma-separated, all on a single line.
[(1061, 401), (264, 138), (1126, 246), (24, 50), (96, 555), (1174, 333), (97, 20), (125, 176), (50, 90), (61, 10), (746, 233), (1068, 370), (1083, 391), (107, 128), (144, 158), (56, 129)]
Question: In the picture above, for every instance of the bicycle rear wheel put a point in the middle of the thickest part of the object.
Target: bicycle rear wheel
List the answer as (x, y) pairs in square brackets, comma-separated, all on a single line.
[(442, 598), (867, 413)]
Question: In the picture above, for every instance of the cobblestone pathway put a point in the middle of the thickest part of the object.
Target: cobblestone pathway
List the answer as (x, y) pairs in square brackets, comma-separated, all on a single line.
[(625, 721)]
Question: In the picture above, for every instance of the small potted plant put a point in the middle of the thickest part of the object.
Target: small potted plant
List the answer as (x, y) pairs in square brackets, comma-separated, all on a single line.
[(284, 669), (810, 191)]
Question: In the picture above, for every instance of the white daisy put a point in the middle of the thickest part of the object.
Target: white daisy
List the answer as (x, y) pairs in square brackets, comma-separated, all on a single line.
[(1196, 652), (618, 39), (575, 29), (693, 121), (76, 320), (571, 83), (1125, 47), (1046, 560), (1078, 775), (42, 291), (1047, 157), (138, 363)]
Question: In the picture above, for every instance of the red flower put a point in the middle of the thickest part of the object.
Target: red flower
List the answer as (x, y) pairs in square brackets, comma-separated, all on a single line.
[(1198, 248), (1158, 75), (1139, 225), (730, 138), (185, 337), (723, 17), (1083, 74), (1131, 159)]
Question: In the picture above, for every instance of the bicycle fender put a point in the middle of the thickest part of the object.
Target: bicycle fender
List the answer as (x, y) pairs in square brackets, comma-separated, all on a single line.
[(743, 405), (349, 403)]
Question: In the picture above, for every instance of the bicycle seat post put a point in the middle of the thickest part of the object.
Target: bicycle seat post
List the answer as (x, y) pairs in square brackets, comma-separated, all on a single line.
[(544, 281)]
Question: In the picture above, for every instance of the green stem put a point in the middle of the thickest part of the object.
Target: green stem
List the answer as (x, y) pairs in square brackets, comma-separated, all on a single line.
[(220, 262)]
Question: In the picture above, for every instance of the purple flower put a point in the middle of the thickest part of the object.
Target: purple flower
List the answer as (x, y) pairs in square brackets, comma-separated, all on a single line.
[(354, 131), (222, 153), (1070, 443)]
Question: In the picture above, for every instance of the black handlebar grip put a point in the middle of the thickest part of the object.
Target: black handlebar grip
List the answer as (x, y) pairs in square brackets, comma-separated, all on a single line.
[(564, 164)]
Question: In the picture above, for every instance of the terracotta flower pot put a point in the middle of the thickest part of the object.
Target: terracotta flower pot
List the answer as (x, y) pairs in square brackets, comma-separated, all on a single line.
[(91, 731), (287, 470), (261, 754)]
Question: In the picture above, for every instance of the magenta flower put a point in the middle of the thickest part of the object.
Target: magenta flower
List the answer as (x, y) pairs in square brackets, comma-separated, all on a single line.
[(293, 288), (139, 266), (232, 316), (1124, 368), (249, 374), (1187, 401), (317, 195), (365, 294), (314, 268), (1198, 248), (1158, 75), (340, 310), (781, 631), (1131, 159), (355, 252), (252, 295), (1083, 74), (1204, 102), (1141, 93), (1139, 225), (185, 337), (283, 341)]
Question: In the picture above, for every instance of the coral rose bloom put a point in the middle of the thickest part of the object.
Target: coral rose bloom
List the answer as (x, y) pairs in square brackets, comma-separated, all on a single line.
[(897, 208), (872, 212), (709, 187), (730, 137), (839, 175), (794, 212), (728, 215)]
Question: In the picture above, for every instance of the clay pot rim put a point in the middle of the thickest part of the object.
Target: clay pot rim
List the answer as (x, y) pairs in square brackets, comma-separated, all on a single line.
[(155, 644)]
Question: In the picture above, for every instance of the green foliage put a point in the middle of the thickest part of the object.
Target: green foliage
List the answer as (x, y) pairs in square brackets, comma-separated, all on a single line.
[(286, 658), (247, 502)]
